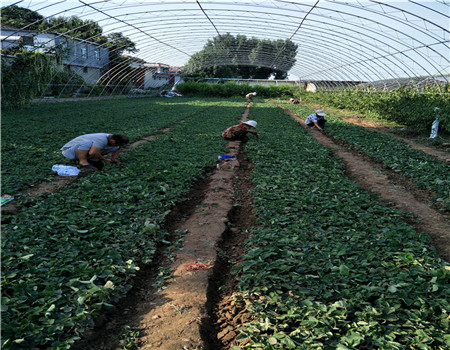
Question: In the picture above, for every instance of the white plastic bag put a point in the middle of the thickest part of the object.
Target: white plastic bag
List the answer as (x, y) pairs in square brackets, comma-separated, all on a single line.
[(435, 125), (66, 170), (434, 129)]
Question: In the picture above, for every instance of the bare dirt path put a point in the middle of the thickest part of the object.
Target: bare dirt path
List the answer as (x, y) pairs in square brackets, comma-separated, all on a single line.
[(196, 309), (441, 155), (399, 193), (179, 316), (182, 314), (431, 151), (350, 117), (174, 321)]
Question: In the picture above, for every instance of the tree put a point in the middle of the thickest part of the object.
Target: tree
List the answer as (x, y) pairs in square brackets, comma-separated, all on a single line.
[(26, 77), (20, 17), (117, 44), (227, 56), (75, 27), (30, 72), (72, 26)]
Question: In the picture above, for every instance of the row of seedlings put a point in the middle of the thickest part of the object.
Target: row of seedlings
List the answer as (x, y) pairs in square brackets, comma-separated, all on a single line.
[(427, 172), (72, 254), (328, 266), (33, 136)]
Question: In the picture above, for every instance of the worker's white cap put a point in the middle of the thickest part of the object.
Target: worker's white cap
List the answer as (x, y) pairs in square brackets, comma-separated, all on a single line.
[(251, 123), (254, 94), (321, 113)]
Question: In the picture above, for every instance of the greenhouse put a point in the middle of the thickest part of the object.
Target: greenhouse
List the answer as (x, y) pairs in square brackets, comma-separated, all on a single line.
[(380, 43), (225, 174)]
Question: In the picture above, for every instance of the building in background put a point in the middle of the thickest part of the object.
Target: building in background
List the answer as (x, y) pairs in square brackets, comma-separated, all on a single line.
[(158, 75), (148, 76), (87, 59)]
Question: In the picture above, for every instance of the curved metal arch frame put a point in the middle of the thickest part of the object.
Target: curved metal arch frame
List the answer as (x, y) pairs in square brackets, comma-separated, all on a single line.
[(346, 13), (213, 16), (263, 63), (226, 62)]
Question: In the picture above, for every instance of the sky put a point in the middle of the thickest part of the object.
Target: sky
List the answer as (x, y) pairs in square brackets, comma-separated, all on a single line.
[(354, 40)]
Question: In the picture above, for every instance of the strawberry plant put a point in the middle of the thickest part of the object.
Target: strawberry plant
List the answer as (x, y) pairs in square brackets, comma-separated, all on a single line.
[(427, 172), (405, 106), (69, 255), (32, 136), (328, 266)]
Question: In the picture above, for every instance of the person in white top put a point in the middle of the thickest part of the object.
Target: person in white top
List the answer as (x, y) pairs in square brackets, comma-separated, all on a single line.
[(90, 149), (249, 96)]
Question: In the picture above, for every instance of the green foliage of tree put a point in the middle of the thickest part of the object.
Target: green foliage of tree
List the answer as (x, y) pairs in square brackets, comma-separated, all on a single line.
[(227, 56), (75, 27), (20, 17), (117, 44), (25, 77), (72, 26), (22, 82)]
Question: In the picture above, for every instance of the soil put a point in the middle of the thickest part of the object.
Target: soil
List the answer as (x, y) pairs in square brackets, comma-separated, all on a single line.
[(394, 190), (195, 308), (184, 314), (58, 182), (435, 152)]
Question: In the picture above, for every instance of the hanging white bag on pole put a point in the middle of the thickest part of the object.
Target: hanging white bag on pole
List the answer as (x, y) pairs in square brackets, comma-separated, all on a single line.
[(435, 125)]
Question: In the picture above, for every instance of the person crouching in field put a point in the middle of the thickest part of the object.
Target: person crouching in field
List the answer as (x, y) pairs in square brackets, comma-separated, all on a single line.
[(90, 149), (249, 96), (316, 120), (239, 132)]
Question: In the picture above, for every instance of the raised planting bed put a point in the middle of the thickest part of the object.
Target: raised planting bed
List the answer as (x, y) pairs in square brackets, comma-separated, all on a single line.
[(70, 255), (328, 266), (427, 172)]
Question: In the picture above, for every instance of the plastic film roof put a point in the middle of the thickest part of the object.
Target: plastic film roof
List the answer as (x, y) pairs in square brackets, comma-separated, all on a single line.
[(337, 40)]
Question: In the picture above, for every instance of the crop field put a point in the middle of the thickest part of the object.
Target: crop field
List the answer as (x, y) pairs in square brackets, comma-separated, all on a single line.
[(425, 171), (327, 265)]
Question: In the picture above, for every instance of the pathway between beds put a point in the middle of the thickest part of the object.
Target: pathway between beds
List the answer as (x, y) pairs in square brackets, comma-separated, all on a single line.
[(373, 178)]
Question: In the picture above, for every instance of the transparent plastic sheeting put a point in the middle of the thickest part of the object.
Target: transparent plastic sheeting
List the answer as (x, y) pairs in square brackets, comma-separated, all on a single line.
[(388, 42)]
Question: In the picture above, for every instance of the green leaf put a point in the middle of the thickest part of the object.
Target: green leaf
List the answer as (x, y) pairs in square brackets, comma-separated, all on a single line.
[(26, 257), (49, 310), (392, 289), (272, 341)]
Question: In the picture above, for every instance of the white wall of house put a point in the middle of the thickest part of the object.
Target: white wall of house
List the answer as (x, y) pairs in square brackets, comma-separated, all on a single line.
[(157, 76), (155, 80), (90, 75), (87, 59)]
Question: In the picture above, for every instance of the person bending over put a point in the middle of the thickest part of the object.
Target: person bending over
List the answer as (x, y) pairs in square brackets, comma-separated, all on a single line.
[(316, 119), (239, 132), (90, 149)]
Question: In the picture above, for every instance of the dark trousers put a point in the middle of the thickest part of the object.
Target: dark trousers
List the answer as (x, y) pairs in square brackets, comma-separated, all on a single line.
[(98, 164), (239, 136), (320, 122)]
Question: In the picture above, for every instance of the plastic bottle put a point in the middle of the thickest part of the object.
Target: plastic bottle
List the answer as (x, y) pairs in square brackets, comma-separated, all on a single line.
[(225, 156)]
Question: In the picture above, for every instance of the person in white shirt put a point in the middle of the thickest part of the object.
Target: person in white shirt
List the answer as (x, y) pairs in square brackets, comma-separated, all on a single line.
[(90, 149), (249, 96)]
